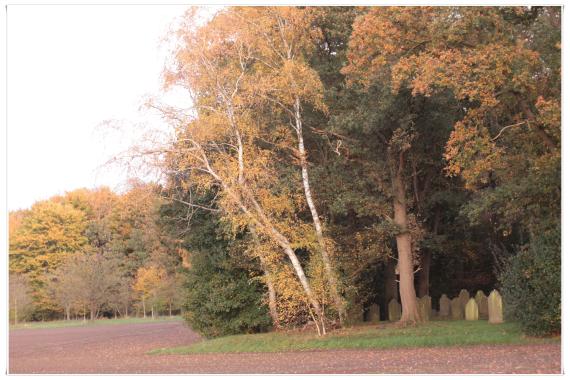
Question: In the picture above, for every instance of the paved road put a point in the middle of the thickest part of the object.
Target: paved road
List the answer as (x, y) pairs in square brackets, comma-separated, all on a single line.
[(122, 349)]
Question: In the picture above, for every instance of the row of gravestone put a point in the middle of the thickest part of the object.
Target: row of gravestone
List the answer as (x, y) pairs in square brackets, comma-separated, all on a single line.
[(460, 307), (472, 309)]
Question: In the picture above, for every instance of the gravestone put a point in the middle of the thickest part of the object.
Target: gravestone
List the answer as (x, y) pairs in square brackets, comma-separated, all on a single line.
[(456, 309), (471, 310), (463, 297), (481, 300), (394, 311), (444, 306), (425, 308), (495, 305), (373, 313)]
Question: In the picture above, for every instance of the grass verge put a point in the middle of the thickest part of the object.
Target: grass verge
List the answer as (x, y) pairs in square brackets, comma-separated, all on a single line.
[(81, 323), (384, 335)]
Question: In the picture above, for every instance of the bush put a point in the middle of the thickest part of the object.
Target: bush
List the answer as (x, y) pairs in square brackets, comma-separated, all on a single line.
[(222, 299), (531, 285)]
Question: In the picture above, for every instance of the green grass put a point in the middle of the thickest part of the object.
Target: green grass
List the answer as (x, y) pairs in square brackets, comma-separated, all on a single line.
[(81, 323), (384, 335)]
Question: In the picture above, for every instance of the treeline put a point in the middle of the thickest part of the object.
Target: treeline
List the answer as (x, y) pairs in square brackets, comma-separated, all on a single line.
[(344, 156), (93, 253)]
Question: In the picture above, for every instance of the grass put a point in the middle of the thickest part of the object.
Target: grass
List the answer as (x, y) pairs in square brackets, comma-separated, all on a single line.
[(385, 335), (81, 323)]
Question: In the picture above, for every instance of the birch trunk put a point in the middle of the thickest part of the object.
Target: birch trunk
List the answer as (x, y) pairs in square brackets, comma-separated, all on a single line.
[(331, 275), (264, 223)]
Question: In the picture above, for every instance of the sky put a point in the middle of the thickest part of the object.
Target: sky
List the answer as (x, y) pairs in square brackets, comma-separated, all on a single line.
[(77, 76)]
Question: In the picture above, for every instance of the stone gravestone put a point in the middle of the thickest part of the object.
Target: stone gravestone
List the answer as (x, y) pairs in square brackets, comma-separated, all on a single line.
[(444, 306), (471, 310), (456, 309), (481, 300), (425, 308), (394, 311), (463, 297), (495, 305), (374, 313)]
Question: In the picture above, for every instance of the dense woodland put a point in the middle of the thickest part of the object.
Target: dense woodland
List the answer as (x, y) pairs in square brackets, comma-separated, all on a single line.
[(334, 158)]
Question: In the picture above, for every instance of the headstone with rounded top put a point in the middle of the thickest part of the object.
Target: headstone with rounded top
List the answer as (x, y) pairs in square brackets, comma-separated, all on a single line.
[(471, 310), (463, 297), (444, 306), (495, 305), (425, 308), (394, 310), (456, 309), (374, 313), (481, 300)]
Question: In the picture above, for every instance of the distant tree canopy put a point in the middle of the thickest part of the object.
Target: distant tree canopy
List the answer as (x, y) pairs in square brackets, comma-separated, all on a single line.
[(79, 254)]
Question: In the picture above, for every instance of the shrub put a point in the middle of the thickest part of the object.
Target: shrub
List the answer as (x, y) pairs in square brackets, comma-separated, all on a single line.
[(531, 285), (222, 299)]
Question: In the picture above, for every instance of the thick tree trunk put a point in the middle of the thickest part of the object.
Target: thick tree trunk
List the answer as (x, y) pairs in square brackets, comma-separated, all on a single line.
[(68, 312), (152, 311), (144, 308), (330, 273), (92, 312), (170, 309), (404, 244)]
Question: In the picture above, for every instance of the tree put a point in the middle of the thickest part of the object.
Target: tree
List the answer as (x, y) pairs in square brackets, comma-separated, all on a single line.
[(148, 283), (20, 299), (488, 59), (90, 279), (219, 148), (48, 234)]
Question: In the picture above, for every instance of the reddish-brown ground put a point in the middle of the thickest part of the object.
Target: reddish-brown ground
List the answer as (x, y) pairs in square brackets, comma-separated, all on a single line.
[(122, 348)]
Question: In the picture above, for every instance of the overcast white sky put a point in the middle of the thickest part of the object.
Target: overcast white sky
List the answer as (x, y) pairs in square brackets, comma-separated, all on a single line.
[(69, 69)]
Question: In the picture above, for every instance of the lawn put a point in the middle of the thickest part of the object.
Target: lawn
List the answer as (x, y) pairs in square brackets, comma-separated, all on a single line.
[(81, 323), (384, 335)]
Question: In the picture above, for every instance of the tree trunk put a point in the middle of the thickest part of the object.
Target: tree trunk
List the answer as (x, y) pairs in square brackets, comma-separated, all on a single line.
[(390, 284), (330, 273), (68, 312), (92, 312), (404, 244), (152, 311), (144, 308), (423, 276), (170, 309), (126, 311)]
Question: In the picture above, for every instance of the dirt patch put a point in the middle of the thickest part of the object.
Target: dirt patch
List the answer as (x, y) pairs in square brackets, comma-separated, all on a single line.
[(123, 348)]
